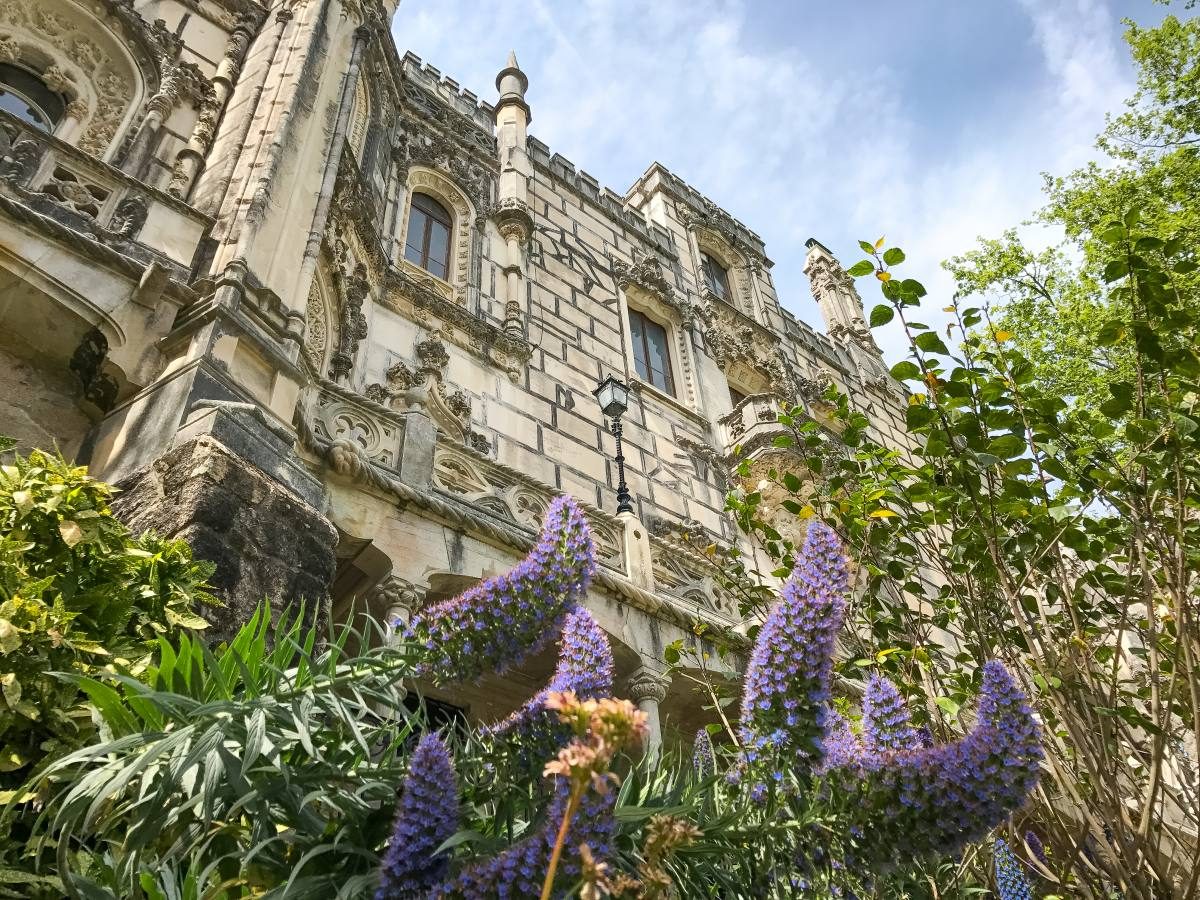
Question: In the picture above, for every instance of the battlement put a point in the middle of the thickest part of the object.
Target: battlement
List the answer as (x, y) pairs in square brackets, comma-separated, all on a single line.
[(659, 177), (448, 91), (588, 187)]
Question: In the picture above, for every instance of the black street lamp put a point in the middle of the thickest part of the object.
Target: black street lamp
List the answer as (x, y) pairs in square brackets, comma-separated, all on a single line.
[(613, 396)]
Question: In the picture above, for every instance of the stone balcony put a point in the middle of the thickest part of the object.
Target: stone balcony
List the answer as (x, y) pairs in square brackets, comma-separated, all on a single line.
[(94, 199), (752, 425)]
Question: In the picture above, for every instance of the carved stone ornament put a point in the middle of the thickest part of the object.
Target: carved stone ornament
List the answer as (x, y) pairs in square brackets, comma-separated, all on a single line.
[(424, 389), (98, 387), (352, 325), (647, 684)]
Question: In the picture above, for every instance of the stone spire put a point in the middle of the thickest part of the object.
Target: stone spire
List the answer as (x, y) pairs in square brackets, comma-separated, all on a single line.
[(510, 212), (841, 306), (512, 85)]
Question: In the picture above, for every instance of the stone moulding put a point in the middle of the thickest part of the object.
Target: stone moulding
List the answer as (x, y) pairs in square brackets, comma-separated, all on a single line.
[(410, 297), (460, 515)]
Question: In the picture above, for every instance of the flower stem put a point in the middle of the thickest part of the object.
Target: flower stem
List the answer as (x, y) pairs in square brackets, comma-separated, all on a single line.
[(556, 853)]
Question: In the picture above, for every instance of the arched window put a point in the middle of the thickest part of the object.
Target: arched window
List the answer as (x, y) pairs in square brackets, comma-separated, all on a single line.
[(651, 352), (716, 278), (427, 242), (24, 95)]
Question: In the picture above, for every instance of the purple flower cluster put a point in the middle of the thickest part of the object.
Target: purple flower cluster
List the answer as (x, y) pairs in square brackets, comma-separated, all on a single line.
[(585, 666), (787, 678), (886, 720), (933, 800), (1011, 883), (500, 622), (519, 870), (425, 817), (1036, 847), (704, 758)]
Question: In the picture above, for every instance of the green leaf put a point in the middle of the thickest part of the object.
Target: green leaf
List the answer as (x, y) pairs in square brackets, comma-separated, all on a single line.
[(893, 256), (867, 246), (861, 268), (906, 371), (881, 315)]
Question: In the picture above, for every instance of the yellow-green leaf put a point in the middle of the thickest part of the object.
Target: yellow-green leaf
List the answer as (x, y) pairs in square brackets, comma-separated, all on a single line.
[(879, 243), (23, 500), (881, 514), (71, 533), (11, 687), (883, 276), (10, 638)]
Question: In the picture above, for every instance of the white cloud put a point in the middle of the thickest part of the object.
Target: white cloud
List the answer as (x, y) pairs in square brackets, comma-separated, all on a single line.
[(789, 148)]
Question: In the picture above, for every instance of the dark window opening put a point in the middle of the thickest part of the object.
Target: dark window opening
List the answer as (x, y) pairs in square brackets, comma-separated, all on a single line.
[(651, 352), (716, 278), (427, 243), (735, 395), (24, 95)]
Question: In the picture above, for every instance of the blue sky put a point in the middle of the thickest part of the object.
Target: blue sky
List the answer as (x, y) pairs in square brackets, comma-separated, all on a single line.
[(927, 121)]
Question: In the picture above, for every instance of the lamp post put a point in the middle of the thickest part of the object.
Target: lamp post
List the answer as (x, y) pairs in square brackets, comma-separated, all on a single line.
[(613, 396)]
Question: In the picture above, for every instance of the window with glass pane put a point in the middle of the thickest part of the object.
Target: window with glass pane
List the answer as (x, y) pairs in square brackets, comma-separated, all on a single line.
[(427, 243), (651, 353), (716, 278), (24, 95)]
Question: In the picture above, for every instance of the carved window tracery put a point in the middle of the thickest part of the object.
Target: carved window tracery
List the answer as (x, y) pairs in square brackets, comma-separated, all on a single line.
[(82, 63), (360, 118), (321, 327), (453, 200)]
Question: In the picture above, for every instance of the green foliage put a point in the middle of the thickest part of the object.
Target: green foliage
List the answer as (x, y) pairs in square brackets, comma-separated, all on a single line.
[(1057, 302), (262, 768), (1064, 543), (78, 593)]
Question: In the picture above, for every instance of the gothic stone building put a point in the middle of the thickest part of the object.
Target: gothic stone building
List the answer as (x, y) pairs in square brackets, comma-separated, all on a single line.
[(337, 320)]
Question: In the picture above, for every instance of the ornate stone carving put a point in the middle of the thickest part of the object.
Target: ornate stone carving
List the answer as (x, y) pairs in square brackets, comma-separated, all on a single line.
[(647, 684), (352, 324), (99, 388), (396, 599), (73, 191), (357, 431), (129, 216)]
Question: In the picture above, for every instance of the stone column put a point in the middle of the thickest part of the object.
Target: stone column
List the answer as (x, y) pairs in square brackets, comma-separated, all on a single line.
[(399, 599), (648, 688)]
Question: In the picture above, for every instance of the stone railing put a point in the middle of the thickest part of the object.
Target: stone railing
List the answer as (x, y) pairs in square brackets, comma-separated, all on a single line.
[(91, 197)]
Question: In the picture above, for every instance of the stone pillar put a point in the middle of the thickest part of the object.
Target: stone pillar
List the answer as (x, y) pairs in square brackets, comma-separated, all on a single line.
[(511, 212), (648, 688), (639, 565), (398, 599)]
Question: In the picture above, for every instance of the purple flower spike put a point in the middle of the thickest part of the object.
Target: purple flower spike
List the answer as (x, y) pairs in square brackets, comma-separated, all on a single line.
[(1011, 883), (886, 720), (519, 870), (787, 678), (500, 622), (426, 816), (838, 746), (585, 666), (1036, 847), (935, 800), (704, 758)]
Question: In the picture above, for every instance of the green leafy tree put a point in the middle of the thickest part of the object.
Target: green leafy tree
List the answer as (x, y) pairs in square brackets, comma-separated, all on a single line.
[(1056, 302)]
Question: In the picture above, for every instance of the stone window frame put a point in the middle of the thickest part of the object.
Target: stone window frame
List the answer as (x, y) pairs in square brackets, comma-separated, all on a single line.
[(77, 55), (652, 307), (706, 242), (429, 181), (360, 120)]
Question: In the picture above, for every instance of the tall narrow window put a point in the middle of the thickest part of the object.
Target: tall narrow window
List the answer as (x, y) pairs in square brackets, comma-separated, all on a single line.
[(651, 354), (27, 97), (716, 278), (428, 239)]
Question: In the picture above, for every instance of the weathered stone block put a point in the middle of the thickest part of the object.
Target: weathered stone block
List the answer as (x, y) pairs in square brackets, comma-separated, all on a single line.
[(264, 540)]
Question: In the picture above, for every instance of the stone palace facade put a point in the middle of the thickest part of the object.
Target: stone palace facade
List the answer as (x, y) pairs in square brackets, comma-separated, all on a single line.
[(337, 320)]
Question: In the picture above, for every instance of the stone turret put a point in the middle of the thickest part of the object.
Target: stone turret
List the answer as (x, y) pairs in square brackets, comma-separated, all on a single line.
[(511, 211), (841, 306)]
